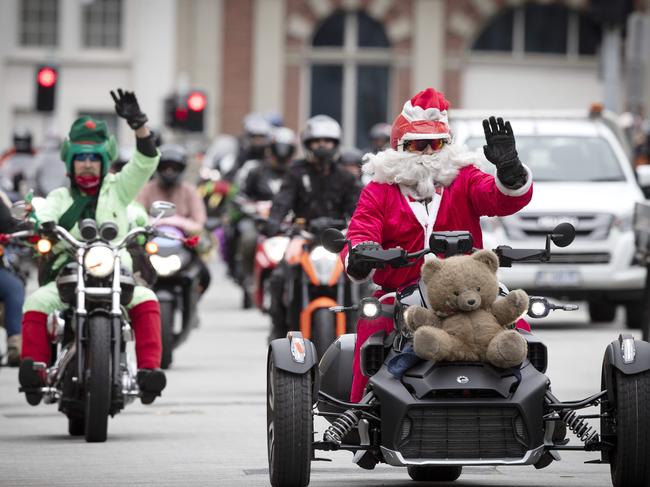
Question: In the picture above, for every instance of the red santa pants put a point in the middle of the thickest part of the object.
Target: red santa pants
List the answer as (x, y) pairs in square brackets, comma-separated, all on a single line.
[(145, 319)]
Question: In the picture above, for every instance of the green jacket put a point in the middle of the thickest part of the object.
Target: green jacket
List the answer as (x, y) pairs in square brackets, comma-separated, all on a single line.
[(115, 195)]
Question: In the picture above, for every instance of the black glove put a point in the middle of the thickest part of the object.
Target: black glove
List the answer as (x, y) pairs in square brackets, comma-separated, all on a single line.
[(357, 268), (501, 151), (126, 106)]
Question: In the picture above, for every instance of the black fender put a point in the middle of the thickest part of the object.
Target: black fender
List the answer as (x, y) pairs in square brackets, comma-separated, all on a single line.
[(613, 360), (280, 350)]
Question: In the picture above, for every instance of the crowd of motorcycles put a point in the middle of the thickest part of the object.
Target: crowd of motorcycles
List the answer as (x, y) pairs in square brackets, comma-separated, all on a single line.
[(419, 422)]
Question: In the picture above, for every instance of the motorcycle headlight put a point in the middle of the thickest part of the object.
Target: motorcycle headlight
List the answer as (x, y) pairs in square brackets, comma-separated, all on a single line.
[(323, 262), (99, 261), (538, 308), (275, 247), (165, 266)]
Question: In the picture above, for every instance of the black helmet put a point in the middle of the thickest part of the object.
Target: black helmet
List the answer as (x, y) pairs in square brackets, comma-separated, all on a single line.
[(22, 139), (173, 161)]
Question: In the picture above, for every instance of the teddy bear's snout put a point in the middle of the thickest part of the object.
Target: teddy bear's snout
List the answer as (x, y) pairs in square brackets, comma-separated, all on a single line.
[(469, 301)]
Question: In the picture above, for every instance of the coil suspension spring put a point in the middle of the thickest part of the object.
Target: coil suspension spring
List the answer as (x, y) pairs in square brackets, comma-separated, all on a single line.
[(579, 426), (341, 426)]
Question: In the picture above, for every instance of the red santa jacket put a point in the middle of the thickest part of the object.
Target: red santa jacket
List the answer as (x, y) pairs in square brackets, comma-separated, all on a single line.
[(386, 216)]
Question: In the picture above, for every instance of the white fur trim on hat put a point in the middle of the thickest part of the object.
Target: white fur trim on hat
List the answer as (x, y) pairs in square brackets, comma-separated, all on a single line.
[(519, 191), (413, 113)]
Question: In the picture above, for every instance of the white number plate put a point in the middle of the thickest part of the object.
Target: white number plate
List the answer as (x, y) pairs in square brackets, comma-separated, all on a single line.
[(558, 278)]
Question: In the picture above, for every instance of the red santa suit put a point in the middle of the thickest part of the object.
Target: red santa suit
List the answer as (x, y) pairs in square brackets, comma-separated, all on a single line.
[(388, 214)]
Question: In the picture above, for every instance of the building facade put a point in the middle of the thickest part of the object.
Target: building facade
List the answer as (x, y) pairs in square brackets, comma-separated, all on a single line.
[(356, 60)]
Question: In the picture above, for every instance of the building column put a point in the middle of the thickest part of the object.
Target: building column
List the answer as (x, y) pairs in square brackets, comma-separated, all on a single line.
[(268, 56), (428, 44)]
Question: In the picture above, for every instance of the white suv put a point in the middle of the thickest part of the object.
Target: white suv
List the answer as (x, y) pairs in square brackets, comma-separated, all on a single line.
[(581, 175)]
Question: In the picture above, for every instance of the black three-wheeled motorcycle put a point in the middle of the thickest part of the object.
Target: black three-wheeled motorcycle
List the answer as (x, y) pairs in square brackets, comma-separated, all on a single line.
[(440, 417)]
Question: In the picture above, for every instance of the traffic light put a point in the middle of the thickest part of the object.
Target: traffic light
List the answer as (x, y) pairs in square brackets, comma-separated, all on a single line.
[(195, 104), (186, 112), (46, 78)]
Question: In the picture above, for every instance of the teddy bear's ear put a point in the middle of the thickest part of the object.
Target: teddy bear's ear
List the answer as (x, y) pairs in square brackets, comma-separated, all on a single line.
[(488, 258), (430, 268)]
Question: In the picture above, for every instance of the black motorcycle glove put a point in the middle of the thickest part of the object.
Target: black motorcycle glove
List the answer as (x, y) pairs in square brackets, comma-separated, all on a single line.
[(501, 151), (126, 106), (358, 269)]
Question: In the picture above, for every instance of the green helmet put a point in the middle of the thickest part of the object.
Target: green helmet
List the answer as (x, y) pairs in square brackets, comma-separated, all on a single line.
[(89, 136)]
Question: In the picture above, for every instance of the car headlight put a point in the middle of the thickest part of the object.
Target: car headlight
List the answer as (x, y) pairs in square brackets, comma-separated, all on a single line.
[(275, 247), (99, 261), (165, 266), (623, 223)]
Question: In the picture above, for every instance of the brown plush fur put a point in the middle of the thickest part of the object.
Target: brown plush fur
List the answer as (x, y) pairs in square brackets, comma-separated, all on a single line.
[(467, 321)]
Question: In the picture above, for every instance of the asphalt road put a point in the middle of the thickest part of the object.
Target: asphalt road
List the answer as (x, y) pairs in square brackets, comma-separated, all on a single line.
[(208, 429)]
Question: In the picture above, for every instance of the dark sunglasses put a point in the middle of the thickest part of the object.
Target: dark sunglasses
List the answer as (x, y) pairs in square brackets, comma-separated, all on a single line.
[(88, 156), (420, 145)]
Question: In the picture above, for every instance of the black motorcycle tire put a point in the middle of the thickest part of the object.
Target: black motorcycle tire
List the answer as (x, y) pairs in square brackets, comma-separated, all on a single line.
[(76, 425), (323, 330), (431, 473), (629, 464), (634, 314), (289, 426), (167, 333), (98, 379), (601, 311)]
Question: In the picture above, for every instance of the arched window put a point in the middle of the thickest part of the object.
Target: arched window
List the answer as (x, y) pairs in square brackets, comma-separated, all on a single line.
[(535, 28), (350, 63)]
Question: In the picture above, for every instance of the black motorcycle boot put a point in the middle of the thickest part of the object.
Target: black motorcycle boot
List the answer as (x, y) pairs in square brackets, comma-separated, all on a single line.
[(151, 383), (30, 381)]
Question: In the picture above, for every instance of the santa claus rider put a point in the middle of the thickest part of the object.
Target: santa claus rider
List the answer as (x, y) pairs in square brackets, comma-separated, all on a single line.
[(426, 183)]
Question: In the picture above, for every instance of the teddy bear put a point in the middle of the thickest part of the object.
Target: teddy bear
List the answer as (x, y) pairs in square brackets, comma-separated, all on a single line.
[(467, 321)]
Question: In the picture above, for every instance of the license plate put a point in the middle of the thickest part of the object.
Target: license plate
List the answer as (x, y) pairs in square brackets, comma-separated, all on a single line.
[(558, 278)]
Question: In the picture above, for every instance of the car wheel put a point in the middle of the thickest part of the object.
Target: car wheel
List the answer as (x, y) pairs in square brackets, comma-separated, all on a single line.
[(434, 473), (601, 311), (634, 314)]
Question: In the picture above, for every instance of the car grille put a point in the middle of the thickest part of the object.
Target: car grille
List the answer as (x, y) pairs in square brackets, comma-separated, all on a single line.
[(595, 226), (577, 258), (463, 433)]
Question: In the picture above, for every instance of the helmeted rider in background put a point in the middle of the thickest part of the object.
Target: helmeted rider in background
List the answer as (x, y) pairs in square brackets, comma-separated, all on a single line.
[(16, 163), (313, 187), (264, 182), (95, 193), (12, 289), (253, 142), (379, 137), (351, 160), (425, 183), (168, 185)]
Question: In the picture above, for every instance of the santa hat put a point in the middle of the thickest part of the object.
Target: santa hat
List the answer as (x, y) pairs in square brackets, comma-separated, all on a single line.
[(423, 117)]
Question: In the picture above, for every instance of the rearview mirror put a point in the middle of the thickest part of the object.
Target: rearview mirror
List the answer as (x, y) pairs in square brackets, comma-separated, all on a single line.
[(563, 234), (333, 240), (162, 209)]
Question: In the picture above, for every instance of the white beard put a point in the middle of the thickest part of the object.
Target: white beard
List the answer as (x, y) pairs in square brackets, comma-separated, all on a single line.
[(418, 175)]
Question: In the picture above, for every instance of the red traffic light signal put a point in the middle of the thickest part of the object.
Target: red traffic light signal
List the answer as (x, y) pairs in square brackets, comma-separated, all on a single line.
[(196, 101), (46, 78), (185, 112)]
